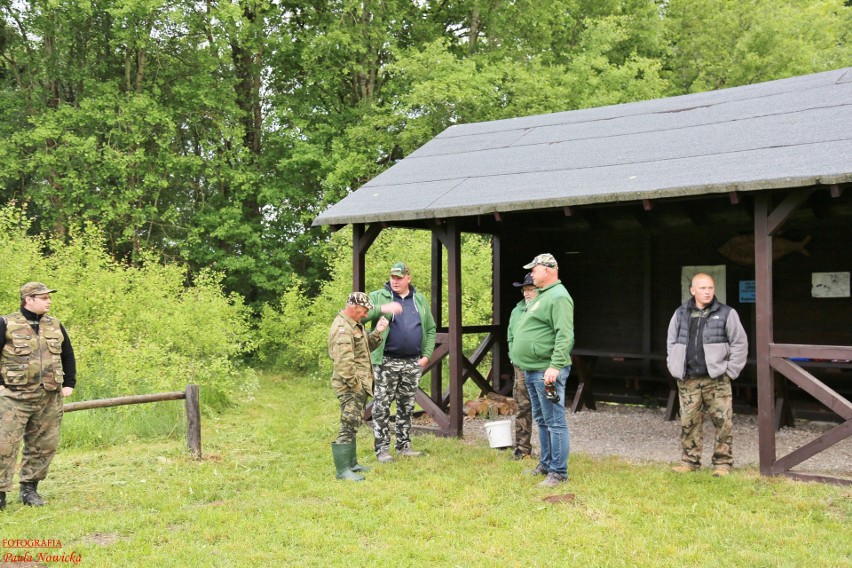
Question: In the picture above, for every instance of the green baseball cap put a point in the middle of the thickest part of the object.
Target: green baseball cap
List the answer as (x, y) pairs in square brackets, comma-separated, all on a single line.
[(400, 269)]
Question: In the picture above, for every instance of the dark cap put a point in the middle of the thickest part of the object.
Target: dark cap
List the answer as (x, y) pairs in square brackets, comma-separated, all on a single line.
[(34, 289), (400, 269), (360, 299), (528, 281)]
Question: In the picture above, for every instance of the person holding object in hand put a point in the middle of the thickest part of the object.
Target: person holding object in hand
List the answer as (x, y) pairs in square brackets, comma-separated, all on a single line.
[(349, 347), (399, 362), (541, 348)]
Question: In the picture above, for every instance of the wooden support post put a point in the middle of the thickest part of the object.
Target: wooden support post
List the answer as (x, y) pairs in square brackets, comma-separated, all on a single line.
[(193, 421), (764, 327)]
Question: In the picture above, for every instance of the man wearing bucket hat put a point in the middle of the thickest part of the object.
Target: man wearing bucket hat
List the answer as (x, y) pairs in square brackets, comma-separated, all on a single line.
[(523, 418), (349, 347), (38, 370), (409, 342), (543, 340)]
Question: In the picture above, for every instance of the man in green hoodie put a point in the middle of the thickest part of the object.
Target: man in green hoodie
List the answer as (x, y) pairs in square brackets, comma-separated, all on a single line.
[(543, 340)]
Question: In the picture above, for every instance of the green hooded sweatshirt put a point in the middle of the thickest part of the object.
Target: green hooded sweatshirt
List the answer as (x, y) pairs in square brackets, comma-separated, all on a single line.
[(543, 336)]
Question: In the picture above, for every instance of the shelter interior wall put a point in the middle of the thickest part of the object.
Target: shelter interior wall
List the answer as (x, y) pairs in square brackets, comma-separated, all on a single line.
[(605, 273)]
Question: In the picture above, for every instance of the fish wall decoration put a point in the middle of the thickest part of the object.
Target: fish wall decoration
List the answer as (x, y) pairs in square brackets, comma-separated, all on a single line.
[(741, 249)]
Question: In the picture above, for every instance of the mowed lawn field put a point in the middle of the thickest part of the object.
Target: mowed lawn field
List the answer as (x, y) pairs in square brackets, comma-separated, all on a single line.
[(265, 495)]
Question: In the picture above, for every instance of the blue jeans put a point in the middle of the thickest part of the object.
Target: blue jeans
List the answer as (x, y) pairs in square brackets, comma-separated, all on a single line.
[(550, 419)]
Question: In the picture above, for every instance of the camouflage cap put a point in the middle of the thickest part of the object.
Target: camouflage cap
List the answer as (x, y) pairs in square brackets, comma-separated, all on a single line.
[(360, 299), (34, 289), (545, 259), (400, 269)]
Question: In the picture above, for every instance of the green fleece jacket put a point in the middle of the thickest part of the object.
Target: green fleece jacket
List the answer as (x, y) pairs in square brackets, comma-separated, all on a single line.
[(543, 336), (427, 322)]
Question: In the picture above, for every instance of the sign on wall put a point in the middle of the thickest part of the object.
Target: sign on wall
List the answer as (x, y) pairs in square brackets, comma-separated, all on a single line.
[(748, 292), (830, 284), (718, 273)]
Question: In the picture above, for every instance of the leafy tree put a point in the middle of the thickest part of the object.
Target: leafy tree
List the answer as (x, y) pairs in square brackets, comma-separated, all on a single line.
[(717, 44)]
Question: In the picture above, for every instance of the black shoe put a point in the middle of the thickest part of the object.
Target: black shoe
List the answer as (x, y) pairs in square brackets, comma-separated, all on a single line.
[(519, 454), (30, 496), (2, 500)]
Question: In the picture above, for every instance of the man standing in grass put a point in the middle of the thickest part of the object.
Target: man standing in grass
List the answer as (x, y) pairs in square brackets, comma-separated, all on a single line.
[(707, 348), (543, 340), (409, 342), (349, 347), (38, 370), (523, 419)]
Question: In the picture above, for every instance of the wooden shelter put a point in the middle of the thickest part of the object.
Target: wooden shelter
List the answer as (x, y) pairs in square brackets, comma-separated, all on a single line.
[(630, 199)]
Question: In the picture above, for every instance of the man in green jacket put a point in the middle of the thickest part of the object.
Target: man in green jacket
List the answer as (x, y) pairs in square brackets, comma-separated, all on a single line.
[(543, 340), (409, 341), (523, 419)]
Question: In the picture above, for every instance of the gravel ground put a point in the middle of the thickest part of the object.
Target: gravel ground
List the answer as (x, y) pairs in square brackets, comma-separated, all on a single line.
[(640, 434)]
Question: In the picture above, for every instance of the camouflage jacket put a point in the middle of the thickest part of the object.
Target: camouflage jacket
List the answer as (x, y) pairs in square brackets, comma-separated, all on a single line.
[(29, 359), (349, 347)]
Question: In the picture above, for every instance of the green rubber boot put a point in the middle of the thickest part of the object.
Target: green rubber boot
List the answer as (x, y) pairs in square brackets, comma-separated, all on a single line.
[(353, 463), (342, 454)]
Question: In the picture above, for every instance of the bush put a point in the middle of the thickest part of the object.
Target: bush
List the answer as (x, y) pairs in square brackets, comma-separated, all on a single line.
[(293, 333), (135, 329)]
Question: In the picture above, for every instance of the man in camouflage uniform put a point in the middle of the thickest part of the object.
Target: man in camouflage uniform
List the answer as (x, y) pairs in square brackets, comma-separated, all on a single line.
[(349, 347), (399, 364), (707, 349), (523, 419), (38, 370)]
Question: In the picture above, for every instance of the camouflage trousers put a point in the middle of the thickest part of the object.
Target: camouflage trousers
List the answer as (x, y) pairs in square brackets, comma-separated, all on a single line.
[(395, 380), (351, 414), (523, 419), (35, 417), (711, 396)]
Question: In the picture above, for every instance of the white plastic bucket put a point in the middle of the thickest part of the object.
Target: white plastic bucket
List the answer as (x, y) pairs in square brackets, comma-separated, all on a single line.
[(499, 433)]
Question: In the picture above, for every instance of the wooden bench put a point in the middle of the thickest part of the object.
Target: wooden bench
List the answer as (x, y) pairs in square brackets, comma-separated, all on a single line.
[(584, 362)]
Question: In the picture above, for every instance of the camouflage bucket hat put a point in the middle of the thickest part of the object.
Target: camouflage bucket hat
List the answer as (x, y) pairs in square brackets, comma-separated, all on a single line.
[(34, 289), (544, 259), (360, 299), (400, 269)]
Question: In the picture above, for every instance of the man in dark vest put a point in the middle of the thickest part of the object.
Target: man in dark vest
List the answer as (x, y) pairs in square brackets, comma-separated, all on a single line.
[(37, 370), (707, 349)]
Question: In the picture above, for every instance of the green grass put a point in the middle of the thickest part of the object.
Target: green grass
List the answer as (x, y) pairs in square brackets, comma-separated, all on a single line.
[(265, 495)]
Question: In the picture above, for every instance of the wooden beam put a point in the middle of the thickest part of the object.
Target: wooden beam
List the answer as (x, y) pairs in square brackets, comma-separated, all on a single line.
[(647, 205), (812, 448), (835, 190), (764, 334), (818, 478), (451, 239), (497, 217), (814, 387), (568, 211), (437, 373), (432, 409), (787, 207), (734, 197), (811, 351)]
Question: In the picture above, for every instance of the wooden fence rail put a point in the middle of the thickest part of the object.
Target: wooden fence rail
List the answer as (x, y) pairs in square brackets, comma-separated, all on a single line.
[(193, 413)]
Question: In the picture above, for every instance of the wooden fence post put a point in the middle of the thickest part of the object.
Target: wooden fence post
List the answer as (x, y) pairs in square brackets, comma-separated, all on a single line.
[(193, 421)]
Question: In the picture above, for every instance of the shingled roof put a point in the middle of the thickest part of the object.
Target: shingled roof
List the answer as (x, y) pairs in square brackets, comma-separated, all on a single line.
[(781, 134)]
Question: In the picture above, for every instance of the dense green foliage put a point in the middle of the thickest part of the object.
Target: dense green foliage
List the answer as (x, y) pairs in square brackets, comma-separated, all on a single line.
[(136, 329), (293, 333), (213, 133)]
